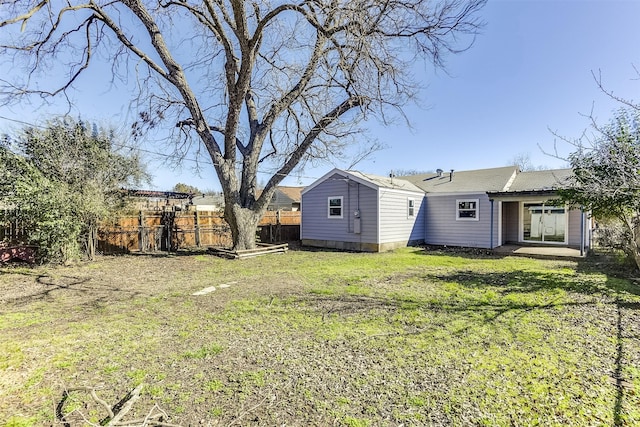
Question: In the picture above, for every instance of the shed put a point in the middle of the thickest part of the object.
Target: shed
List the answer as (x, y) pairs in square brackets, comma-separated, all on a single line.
[(352, 210)]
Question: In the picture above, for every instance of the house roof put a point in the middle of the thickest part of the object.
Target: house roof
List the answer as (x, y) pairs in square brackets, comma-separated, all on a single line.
[(293, 193), (480, 180), (157, 194), (544, 180), (284, 195), (503, 180), (208, 200)]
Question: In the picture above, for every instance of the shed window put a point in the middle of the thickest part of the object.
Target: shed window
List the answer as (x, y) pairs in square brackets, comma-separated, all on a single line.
[(411, 211), (467, 210), (335, 207)]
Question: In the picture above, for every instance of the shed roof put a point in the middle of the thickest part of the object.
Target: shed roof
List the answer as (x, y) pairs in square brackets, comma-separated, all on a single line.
[(372, 181), (480, 180), (387, 182)]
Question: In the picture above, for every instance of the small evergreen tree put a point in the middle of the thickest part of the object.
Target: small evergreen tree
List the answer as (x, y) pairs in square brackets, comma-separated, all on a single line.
[(63, 179)]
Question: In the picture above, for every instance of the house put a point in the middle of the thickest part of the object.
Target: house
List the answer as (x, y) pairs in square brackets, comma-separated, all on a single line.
[(156, 200), (483, 208), (286, 199), (206, 202), (153, 200)]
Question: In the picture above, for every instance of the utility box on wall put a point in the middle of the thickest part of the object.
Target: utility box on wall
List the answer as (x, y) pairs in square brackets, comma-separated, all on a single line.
[(356, 225)]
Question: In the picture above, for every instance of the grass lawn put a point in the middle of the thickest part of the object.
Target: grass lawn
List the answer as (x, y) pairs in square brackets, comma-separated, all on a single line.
[(314, 338)]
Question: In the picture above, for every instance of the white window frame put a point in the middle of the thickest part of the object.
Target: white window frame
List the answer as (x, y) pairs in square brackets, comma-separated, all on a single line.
[(329, 207), (476, 209), (544, 204), (411, 207)]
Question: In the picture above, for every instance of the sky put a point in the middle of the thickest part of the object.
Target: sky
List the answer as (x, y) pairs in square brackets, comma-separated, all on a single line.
[(528, 75)]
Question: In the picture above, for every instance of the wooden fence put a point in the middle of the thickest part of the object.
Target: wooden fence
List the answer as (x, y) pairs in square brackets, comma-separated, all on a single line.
[(169, 231), (11, 229)]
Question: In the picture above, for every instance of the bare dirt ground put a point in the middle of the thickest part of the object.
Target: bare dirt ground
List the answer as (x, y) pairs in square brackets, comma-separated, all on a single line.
[(127, 320), (319, 339)]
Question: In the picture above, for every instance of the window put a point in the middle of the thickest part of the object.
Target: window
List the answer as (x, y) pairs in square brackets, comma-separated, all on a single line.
[(411, 212), (335, 207), (467, 210)]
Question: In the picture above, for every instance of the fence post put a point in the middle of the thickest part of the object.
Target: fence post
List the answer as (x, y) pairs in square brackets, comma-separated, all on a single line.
[(197, 227), (141, 233)]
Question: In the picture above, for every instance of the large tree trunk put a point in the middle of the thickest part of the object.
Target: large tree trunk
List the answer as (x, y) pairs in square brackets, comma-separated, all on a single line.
[(244, 224), (632, 246), (635, 240)]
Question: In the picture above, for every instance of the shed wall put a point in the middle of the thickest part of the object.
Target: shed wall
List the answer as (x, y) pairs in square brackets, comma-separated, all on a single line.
[(317, 227)]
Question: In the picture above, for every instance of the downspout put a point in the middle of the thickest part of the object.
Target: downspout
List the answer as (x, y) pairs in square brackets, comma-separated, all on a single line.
[(491, 228), (581, 231), (359, 217), (348, 207)]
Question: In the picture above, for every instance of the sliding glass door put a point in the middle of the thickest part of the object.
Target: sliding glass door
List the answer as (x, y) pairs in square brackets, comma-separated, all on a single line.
[(544, 223)]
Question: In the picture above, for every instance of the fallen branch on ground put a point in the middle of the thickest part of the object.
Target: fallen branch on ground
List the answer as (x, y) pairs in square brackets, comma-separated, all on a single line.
[(116, 413)]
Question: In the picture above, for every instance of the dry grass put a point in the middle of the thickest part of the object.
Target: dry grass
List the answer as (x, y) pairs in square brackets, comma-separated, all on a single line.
[(322, 338)]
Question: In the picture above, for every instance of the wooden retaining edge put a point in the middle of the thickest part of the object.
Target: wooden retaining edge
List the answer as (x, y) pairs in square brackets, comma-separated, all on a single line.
[(262, 249)]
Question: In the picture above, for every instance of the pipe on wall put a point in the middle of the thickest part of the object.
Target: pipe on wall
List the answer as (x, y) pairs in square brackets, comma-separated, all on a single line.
[(581, 230), (491, 227)]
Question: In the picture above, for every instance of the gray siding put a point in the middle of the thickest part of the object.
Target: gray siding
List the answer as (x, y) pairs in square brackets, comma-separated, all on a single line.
[(574, 228), (395, 223), (317, 226), (442, 228), (510, 222)]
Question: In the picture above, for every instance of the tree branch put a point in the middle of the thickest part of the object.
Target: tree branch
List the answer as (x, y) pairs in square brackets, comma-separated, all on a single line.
[(315, 131)]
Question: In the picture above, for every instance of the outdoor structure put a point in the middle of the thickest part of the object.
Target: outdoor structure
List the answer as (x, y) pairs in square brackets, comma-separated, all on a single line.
[(206, 202), (356, 211), (286, 199), (484, 208), (157, 200)]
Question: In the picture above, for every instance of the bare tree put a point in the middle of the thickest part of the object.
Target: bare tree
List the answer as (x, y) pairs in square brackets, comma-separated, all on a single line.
[(524, 163), (260, 85)]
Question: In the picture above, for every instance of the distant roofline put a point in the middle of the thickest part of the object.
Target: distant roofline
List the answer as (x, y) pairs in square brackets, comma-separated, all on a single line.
[(161, 194)]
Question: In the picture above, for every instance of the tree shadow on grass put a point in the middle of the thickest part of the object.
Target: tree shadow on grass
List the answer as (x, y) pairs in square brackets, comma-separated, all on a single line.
[(620, 296), (45, 287), (620, 292), (623, 387), (532, 282)]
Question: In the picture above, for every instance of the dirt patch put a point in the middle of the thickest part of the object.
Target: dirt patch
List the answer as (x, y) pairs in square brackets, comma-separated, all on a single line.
[(319, 338)]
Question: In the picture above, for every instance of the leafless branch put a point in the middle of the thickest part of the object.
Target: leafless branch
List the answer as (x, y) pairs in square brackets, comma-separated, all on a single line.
[(116, 414), (624, 101), (271, 83)]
